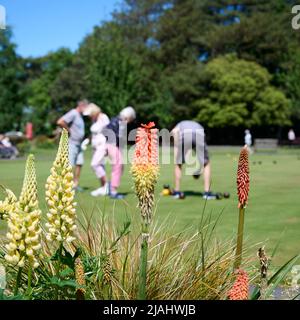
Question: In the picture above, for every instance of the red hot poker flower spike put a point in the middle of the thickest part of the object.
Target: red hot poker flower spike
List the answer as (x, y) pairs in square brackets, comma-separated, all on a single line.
[(240, 289), (243, 179), (146, 145), (145, 168)]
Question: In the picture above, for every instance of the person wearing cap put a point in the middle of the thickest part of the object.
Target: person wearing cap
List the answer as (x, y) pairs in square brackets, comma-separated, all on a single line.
[(116, 135), (74, 124), (100, 121)]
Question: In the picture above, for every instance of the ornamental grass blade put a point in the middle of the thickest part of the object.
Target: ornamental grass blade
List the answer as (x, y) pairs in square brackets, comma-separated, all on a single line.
[(277, 277)]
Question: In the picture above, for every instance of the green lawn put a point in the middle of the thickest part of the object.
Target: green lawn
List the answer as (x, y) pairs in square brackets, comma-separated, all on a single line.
[(274, 204)]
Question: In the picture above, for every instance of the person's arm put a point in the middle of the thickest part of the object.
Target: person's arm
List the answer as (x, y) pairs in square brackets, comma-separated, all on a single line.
[(61, 122), (64, 121), (100, 124)]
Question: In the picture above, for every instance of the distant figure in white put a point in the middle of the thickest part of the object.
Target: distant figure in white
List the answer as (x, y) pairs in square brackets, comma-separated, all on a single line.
[(291, 136), (248, 140)]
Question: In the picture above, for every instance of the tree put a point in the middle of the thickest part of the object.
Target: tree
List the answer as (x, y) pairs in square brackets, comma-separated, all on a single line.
[(11, 74), (289, 80), (111, 72), (238, 92), (44, 110), (69, 87)]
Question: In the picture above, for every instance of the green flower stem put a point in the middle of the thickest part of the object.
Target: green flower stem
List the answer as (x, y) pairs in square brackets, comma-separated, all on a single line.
[(58, 266), (142, 295), (18, 281), (29, 281), (240, 236)]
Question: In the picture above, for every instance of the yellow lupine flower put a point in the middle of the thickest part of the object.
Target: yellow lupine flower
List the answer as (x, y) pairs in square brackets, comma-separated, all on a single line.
[(24, 222), (60, 195), (8, 204)]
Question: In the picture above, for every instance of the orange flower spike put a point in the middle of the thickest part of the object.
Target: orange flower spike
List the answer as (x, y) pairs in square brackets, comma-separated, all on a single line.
[(150, 125), (145, 167), (240, 289), (243, 179), (146, 145)]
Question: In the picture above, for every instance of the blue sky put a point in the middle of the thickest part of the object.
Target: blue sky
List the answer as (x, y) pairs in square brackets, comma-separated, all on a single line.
[(40, 26)]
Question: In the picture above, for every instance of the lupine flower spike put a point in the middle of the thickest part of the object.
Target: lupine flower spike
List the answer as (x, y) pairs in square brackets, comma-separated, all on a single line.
[(243, 181), (240, 289), (8, 204), (24, 223), (61, 217), (145, 173)]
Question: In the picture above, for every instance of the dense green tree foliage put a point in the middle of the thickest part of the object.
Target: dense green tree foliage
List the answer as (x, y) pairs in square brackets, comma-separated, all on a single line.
[(43, 108), (239, 93), (11, 76), (223, 62)]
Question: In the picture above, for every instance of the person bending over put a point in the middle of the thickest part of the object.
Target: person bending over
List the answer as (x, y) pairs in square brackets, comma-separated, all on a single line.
[(116, 134), (189, 135)]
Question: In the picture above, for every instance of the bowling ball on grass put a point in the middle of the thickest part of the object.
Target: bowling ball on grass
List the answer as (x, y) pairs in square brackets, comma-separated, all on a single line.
[(226, 195)]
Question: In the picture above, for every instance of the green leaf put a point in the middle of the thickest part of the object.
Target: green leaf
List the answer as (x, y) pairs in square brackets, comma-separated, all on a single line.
[(66, 272), (275, 280)]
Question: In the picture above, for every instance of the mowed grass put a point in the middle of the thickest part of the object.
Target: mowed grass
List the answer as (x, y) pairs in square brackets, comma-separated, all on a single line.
[(274, 202)]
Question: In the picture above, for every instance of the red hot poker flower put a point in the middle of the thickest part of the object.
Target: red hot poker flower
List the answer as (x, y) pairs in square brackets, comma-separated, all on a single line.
[(240, 289), (243, 179), (145, 168), (146, 145)]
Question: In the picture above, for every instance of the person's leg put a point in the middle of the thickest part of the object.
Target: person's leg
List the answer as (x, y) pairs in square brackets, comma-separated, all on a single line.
[(203, 158), (98, 163), (207, 176), (77, 173), (206, 170), (73, 152), (79, 163), (115, 156), (179, 160), (178, 174)]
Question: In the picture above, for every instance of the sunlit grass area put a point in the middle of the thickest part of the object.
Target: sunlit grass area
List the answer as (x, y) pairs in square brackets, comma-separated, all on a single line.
[(273, 209)]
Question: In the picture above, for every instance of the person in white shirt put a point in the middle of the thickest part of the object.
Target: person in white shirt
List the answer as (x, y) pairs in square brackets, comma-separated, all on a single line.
[(291, 136), (100, 121), (248, 140)]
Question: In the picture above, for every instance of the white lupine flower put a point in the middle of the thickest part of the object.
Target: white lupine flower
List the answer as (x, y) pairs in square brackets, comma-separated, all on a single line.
[(24, 222), (60, 196), (8, 205)]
